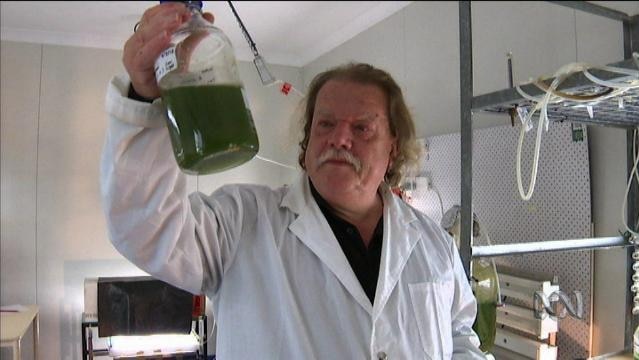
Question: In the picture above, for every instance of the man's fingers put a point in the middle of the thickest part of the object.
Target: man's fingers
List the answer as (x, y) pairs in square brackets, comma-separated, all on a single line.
[(209, 17), (167, 7), (143, 48), (145, 56), (152, 36), (162, 21), (140, 61)]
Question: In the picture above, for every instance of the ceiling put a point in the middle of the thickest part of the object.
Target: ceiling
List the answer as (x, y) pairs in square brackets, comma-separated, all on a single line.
[(286, 32)]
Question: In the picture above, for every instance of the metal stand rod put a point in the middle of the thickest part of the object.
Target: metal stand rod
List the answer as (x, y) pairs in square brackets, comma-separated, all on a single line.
[(548, 246), (466, 96), (630, 44)]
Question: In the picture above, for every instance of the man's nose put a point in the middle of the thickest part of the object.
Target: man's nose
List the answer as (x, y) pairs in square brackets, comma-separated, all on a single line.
[(341, 136)]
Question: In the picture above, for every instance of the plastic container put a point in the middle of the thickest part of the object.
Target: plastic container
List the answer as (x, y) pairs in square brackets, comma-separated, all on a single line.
[(210, 124)]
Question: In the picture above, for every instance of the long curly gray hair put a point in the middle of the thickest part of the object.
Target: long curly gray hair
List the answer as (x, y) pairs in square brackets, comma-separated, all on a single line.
[(400, 120)]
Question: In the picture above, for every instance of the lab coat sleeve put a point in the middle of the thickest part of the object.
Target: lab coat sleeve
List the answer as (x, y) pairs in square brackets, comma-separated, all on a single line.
[(151, 220), (463, 312)]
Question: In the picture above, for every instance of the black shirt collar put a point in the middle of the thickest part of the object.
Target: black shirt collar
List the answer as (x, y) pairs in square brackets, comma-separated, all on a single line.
[(364, 261)]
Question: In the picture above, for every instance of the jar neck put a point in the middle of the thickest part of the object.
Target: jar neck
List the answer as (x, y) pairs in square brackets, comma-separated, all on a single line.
[(194, 6)]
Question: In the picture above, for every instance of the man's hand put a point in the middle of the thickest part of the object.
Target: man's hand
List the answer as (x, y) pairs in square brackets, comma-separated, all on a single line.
[(152, 36)]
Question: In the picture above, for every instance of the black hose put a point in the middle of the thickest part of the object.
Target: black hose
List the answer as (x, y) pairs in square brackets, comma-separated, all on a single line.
[(244, 31)]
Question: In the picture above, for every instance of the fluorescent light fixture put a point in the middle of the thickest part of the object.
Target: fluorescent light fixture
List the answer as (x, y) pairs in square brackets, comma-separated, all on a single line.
[(132, 346)]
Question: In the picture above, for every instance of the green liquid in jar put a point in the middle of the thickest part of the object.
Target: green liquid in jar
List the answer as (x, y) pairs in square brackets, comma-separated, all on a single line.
[(211, 128)]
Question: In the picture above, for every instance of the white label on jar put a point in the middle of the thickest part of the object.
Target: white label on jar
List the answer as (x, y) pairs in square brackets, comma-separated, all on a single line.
[(165, 63)]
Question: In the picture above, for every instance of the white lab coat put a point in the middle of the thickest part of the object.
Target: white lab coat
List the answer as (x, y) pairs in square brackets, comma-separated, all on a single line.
[(280, 284)]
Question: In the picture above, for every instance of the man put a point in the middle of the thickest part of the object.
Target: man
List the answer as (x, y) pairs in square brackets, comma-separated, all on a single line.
[(333, 267)]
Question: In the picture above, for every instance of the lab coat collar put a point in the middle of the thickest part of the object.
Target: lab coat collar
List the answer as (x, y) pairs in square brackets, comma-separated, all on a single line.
[(313, 230), (400, 237)]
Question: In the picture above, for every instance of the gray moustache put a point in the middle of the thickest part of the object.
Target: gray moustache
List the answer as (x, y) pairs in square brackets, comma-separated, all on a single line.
[(341, 155)]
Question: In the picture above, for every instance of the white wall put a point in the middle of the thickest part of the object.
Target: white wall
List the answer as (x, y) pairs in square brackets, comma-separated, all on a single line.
[(20, 79), (419, 46), (53, 123), (18, 141)]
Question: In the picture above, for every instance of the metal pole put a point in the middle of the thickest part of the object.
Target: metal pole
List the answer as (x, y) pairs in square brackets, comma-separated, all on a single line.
[(630, 30), (631, 217), (466, 96), (548, 246)]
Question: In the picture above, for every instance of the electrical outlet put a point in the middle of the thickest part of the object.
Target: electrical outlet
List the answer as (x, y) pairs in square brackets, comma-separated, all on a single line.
[(428, 181), (423, 182)]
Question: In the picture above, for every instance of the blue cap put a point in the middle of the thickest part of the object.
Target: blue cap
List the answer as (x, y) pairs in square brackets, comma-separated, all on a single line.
[(196, 4)]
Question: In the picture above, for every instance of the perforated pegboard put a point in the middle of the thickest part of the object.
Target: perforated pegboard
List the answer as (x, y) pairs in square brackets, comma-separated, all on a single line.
[(560, 207)]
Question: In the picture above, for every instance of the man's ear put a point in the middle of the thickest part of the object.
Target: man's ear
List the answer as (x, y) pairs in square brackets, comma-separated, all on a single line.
[(394, 151), (392, 155)]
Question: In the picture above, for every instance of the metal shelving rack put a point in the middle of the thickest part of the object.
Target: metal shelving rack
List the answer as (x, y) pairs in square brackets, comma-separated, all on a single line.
[(608, 114)]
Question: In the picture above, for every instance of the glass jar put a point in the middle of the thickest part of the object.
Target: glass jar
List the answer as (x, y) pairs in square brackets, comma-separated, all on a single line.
[(209, 120)]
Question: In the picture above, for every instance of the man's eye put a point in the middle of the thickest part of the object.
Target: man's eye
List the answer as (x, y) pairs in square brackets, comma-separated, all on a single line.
[(363, 129), (325, 124)]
